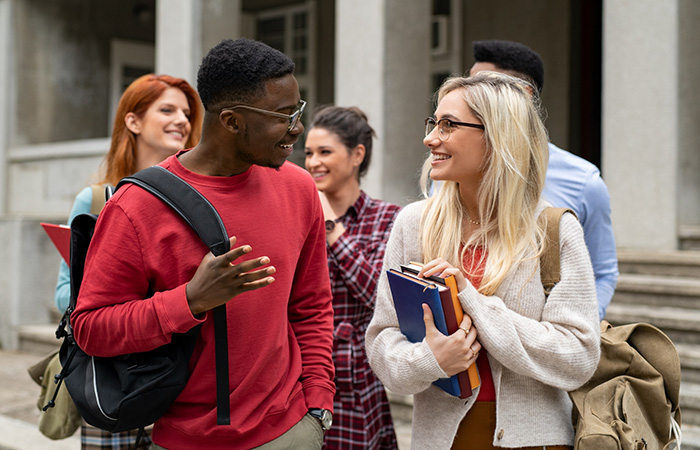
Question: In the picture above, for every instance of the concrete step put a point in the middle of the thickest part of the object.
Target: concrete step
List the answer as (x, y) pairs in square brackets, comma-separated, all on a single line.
[(689, 236), (16, 434), (39, 339), (679, 263), (690, 403), (680, 325), (691, 436), (402, 415), (690, 362), (658, 290), (401, 406)]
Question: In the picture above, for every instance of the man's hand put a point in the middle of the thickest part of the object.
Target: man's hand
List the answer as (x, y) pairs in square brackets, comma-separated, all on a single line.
[(217, 279)]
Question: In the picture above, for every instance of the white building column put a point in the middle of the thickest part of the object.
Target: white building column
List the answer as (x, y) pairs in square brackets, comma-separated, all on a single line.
[(223, 21), (178, 38), (382, 63), (640, 121), (187, 29), (6, 72), (6, 279)]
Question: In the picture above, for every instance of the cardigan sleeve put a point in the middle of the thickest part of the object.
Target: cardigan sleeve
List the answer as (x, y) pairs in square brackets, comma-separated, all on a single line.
[(557, 343), (403, 367)]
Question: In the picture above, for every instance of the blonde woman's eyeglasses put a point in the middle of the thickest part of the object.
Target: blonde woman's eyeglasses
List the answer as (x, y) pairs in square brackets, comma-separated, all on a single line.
[(445, 127)]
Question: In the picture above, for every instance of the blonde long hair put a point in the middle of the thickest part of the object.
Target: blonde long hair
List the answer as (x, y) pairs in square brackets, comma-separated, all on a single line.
[(514, 172)]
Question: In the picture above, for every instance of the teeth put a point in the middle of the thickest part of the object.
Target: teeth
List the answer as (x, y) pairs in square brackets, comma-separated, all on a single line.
[(440, 157), (286, 146)]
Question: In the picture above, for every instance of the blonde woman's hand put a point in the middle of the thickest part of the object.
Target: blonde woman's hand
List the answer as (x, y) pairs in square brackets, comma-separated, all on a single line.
[(456, 352), (443, 269)]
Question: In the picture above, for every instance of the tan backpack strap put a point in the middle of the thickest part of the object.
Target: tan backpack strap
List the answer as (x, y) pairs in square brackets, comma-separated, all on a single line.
[(98, 198), (550, 264)]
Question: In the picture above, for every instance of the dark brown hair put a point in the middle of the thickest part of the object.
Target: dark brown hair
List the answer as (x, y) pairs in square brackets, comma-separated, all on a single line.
[(350, 125)]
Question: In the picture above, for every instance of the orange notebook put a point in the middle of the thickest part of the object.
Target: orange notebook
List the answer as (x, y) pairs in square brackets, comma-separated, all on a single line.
[(60, 236), (453, 317)]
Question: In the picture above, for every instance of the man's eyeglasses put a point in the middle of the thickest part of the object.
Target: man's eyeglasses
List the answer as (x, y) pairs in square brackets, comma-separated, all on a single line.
[(293, 117), (445, 127)]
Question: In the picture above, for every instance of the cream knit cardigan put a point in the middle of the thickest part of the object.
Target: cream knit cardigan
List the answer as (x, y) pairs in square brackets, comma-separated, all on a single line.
[(537, 350)]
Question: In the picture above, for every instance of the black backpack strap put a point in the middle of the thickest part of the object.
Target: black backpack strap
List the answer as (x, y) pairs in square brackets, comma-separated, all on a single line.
[(81, 230), (194, 208), (201, 215)]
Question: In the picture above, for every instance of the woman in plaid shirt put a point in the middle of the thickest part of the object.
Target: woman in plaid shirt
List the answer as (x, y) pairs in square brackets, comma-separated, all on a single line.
[(338, 150)]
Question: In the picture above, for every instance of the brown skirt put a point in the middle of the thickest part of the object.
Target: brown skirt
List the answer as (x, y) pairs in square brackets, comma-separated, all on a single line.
[(476, 430)]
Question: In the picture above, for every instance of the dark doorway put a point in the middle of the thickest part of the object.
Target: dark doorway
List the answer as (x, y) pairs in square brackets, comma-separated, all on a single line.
[(586, 86)]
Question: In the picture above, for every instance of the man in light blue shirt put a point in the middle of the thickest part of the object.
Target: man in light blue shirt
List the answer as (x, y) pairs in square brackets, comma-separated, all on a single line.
[(571, 181)]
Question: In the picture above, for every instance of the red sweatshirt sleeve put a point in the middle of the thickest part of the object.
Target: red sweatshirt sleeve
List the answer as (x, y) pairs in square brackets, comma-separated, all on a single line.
[(311, 315), (117, 312)]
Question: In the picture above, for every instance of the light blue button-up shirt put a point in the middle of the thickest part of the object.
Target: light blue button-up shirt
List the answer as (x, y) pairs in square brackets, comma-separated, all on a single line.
[(575, 183)]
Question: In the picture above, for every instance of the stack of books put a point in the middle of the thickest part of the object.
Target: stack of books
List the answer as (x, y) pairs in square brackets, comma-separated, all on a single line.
[(409, 293)]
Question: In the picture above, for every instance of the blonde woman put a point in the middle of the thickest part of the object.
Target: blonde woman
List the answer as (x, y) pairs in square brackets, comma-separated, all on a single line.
[(488, 147)]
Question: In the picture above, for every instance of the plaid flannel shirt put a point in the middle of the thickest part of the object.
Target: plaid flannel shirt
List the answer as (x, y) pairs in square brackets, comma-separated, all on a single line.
[(362, 419)]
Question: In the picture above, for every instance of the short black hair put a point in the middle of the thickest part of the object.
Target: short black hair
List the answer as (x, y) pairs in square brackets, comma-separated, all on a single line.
[(509, 55), (236, 70)]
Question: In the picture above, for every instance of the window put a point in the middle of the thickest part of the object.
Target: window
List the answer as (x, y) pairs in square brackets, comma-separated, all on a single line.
[(446, 40), (289, 31), (129, 60), (439, 35)]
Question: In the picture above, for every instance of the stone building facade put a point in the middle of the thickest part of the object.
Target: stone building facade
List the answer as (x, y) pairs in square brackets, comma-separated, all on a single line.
[(620, 90)]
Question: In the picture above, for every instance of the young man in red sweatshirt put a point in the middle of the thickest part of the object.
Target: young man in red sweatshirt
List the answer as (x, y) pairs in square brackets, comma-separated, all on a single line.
[(148, 275)]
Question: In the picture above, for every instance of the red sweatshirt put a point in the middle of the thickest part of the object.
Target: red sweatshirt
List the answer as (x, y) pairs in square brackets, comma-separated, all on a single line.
[(280, 336)]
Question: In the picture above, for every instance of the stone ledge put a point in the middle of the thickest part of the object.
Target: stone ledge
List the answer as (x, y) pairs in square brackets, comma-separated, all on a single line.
[(38, 338)]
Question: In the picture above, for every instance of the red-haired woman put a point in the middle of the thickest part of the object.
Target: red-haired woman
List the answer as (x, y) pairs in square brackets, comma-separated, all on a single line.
[(157, 116)]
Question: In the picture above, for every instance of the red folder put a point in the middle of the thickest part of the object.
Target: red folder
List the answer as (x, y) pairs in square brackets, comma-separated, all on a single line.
[(60, 236)]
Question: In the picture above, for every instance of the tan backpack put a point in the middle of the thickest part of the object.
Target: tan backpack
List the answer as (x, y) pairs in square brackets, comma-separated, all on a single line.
[(632, 400)]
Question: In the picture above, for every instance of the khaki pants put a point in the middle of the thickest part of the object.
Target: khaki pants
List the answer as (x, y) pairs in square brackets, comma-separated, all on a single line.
[(307, 434)]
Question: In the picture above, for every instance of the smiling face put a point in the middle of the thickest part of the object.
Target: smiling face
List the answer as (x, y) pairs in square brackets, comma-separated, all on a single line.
[(331, 164), (265, 140), (165, 126), (461, 157)]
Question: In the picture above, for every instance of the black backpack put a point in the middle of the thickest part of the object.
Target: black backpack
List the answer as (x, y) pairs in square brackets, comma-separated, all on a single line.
[(132, 391)]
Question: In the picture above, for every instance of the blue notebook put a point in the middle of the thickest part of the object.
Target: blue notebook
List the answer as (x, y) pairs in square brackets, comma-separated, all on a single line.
[(409, 293)]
